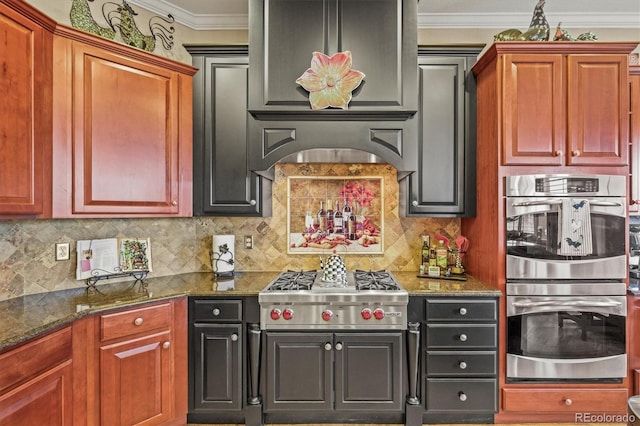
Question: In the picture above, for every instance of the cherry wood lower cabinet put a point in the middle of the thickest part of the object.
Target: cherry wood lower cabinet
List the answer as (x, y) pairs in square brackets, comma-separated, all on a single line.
[(568, 400), (36, 382)]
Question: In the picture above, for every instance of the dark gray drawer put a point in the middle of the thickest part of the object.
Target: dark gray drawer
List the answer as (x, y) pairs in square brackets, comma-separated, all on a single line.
[(461, 363), (217, 310), (459, 395), (456, 309), (461, 336)]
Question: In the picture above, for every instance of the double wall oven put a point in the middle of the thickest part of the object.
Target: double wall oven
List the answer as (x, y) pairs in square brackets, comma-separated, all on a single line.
[(565, 266)]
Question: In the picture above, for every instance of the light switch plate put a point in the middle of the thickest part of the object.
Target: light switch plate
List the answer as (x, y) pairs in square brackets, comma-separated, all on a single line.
[(62, 251)]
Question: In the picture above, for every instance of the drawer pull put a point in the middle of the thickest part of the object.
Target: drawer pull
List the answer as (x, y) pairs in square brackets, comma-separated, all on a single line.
[(462, 365), (338, 346), (568, 401), (138, 321), (234, 337), (463, 311), (216, 312), (462, 396), (166, 345), (463, 337)]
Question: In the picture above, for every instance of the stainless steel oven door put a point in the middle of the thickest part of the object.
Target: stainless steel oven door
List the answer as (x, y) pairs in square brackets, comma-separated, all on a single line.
[(538, 227), (566, 338)]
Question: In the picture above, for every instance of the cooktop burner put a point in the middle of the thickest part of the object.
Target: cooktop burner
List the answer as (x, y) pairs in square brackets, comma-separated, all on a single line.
[(293, 280), (375, 280)]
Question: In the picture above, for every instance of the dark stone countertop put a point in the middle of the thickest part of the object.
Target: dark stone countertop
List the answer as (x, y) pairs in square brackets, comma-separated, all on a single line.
[(25, 317)]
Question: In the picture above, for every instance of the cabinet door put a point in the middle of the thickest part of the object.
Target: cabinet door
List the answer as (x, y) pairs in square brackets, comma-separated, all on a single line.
[(223, 183), (598, 110), (25, 111), (44, 400), (533, 109), (369, 371), (120, 139), (634, 140), (136, 381), (217, 367), (438, 187), (299, 371)]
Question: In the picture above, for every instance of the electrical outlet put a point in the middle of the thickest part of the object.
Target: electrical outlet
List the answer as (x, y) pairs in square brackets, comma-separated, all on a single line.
[(248, 241), (62, 251)]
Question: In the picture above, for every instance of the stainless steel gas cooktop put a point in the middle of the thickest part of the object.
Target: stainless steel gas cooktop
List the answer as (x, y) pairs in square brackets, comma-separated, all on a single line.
[(298, 300)]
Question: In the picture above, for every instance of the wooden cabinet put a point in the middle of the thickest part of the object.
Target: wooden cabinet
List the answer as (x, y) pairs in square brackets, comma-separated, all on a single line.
[(223, 183), (25, 108), (140, 366), (634, 138), (445, 179), (122, 130), (334, 371), (36, 382), (563, 107), (567, 400), (216, 354), (460, 356)]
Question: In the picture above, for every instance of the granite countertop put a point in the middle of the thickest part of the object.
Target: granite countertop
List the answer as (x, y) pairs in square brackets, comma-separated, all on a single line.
[(25, 317)]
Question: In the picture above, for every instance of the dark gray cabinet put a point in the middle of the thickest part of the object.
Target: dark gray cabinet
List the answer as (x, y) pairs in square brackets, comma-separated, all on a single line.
[(444, 184), (215, 365), (460, 360), (324, 371), (223, 184)]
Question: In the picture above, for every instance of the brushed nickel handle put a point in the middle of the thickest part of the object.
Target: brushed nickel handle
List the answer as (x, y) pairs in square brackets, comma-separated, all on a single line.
[(174, 203), (463, 311), (166, 345), (216, 312), (138, 321), (462, 365), (338, 346), (327, 346), (557, 153), (576, 153), (253, 202), (568, 401), (234, 337), (414, 203), (462, 396), (463, 337)]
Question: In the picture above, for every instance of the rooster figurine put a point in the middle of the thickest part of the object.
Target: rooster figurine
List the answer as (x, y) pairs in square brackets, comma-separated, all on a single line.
[(539, 26)]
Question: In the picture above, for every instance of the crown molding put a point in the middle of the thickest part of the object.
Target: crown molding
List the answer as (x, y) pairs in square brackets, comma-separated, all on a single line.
[(425, 20)]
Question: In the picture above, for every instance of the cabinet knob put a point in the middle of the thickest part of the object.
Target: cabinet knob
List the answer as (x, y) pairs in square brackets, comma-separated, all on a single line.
[(166, 345), (338, 346), (216, 312), (557, 153), (568, 401), (463, 311), (138, 321), (253, 202), (576, 153), (462, 365), (174, 203), (414, 203), (234, 337), (463, 337), (462, 396), (327, 346)]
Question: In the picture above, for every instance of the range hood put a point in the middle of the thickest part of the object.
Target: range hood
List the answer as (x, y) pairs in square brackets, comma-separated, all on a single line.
[(380, 123)]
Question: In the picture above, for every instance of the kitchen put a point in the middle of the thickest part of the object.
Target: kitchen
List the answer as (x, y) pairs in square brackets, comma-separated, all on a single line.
[(182, 245)]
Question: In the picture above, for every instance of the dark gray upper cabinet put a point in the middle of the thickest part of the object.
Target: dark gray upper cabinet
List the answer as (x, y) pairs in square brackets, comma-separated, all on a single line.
[(444, 184), (222, 182), (382, 38)]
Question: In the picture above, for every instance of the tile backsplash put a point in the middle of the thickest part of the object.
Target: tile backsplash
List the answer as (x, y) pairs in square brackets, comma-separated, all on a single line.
[(179, 245)]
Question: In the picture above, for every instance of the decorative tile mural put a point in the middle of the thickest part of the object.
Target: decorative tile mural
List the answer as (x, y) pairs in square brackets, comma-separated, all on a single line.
[(180, 245)]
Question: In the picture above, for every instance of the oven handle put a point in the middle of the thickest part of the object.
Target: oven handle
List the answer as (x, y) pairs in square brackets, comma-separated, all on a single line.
[(577, 303), (604, 203), (555, 202)]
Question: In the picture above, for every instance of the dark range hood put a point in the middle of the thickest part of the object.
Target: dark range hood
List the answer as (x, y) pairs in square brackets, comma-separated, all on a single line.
[(379, 124)]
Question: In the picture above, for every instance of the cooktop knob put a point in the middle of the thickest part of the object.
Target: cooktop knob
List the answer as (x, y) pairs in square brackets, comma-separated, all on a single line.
[(378, 313), (366, 313), (275, 314), (287, 314), (327, 315)]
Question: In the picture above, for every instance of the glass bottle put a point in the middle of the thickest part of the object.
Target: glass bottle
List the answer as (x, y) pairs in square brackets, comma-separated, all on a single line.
[(338, 224), (442, 256), (329, 216), (322, 218), (349, 220)]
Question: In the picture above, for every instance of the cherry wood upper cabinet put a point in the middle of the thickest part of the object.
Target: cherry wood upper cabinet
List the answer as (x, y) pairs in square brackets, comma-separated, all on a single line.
[(634, 140), (25, 111), (122, 130), (561, 104)]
